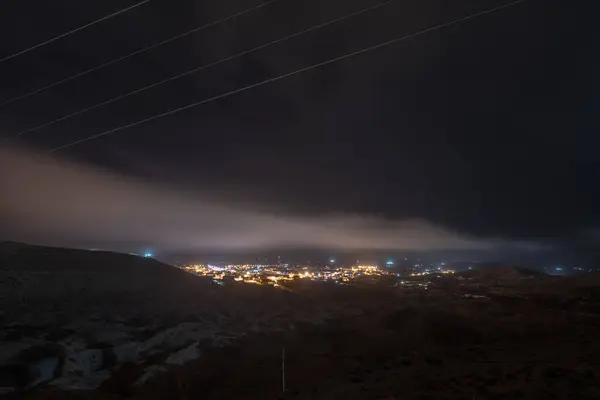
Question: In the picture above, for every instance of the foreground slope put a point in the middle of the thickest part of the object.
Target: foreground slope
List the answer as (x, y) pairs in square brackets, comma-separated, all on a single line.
[(72, 317), (44, 284), (183, 337)]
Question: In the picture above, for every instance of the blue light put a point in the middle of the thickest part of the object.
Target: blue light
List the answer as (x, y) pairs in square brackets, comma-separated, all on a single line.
[(147, 255), (390, 263)]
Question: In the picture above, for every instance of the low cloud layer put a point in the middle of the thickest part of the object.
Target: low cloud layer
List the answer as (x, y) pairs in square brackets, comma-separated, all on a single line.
[(52, 201)]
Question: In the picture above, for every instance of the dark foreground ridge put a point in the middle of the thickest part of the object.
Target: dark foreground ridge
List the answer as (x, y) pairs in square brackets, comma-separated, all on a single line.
[(81, 324)]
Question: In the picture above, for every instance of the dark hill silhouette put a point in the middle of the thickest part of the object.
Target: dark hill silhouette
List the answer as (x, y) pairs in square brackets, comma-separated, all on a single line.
[(36, 280), (503, 272), (37, 258), (73, 317)]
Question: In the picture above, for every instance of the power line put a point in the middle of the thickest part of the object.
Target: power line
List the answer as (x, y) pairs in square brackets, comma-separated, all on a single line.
[(74, 30), (153, 46), (198, 69), (277, 78)]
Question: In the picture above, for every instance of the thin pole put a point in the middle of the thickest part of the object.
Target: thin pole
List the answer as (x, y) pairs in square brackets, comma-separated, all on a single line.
[(283, 369)]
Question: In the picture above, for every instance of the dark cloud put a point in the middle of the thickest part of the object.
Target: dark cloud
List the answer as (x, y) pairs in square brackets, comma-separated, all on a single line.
[(64, 203), (487, 128)]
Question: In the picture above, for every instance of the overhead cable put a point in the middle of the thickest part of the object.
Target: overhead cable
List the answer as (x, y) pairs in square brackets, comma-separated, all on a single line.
[(54, 39), (142, 50), (198, 69), (280, 77)]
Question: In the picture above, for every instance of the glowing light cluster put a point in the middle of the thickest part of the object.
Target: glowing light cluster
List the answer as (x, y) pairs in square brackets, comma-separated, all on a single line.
[(276, 276), (430, 272)]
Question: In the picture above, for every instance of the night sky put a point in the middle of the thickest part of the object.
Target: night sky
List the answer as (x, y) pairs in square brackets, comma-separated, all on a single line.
[(483, 134)]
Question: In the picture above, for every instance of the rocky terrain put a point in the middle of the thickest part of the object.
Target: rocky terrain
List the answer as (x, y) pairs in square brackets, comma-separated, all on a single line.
[(70, 318), (119, 326)]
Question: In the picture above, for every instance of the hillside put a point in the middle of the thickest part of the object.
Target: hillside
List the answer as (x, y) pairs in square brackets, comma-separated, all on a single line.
[(81, 324), (501, 272), (34, 280), (73, 316)]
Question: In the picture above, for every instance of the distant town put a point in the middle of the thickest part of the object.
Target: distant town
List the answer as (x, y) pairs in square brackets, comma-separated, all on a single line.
[(277, 274)]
